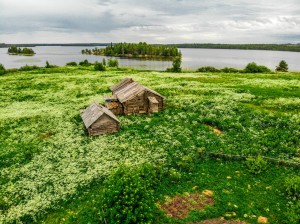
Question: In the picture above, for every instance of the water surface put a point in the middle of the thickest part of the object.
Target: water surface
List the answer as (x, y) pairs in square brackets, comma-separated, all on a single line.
[(191, 58)]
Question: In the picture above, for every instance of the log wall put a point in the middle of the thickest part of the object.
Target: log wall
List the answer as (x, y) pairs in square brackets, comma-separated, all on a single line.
[(103, 125)]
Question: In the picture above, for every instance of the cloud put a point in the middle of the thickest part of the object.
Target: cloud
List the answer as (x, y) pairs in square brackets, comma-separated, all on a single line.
[(156, 21)]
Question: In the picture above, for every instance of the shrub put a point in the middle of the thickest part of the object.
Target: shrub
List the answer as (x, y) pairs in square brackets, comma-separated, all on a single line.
[(292, 186), (99, 66), (282, 67), (72, 63), (104, 61), (127, 197), (49, 66), (28, 68), (254, 68), (230, 70), (208, 69), (256, 165), (293, 213), (85, 63), (113, 62), (2, 69)]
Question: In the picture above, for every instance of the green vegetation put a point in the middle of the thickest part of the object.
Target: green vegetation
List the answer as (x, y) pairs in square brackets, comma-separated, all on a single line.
[(51, 172), (292, 185), (2, 69), (85, 63), (256, 165), (133, 50), (72, 63), (113, 62), (269, 47), (250, 68), (282, 67), (13, 50), (99, 66), (176, 65), (254, 68), (127, 197)]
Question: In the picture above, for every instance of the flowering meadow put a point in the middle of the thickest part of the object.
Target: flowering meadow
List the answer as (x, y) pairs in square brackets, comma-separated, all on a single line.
[(47, 162)]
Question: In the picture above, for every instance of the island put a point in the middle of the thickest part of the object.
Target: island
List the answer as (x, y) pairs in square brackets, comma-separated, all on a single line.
[(14, 50), (140, 50)]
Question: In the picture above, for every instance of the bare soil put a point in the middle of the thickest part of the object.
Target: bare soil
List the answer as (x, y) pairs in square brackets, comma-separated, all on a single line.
[(219, 221), (180, 206)]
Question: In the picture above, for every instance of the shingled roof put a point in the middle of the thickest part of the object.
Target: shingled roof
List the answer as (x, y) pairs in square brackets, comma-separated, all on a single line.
[(94, 112), (121, 84), (131, 90)]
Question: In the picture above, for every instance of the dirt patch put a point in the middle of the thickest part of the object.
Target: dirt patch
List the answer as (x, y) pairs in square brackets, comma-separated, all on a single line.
[(180, 206), (215, 130), (219, 221)]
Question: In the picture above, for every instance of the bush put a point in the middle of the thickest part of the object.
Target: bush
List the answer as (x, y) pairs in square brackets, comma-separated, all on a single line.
[(72, 63), (293, 213), (2, 70), (282, 67), (254, 68), (85, 63), (28, 68), (127, 197), (113, 62), (230, 70), (256, 165), (292, 186), (208, 69), (99, 66)]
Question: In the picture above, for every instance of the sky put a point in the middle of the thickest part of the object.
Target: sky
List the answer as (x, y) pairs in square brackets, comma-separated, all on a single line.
[(152, 21)]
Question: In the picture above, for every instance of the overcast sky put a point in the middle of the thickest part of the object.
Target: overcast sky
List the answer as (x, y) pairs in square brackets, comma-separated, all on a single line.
[(153, 21)]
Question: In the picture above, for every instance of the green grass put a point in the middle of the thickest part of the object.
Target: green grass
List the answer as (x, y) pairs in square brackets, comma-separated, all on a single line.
[(52, 172)]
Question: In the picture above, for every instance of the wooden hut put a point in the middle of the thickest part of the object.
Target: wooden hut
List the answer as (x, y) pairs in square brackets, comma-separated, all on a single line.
[(99, 120), (130, 97), (121, 84)]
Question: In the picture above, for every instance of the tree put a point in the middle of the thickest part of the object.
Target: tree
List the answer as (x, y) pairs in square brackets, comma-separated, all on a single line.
[(104, 61), (282, 67), (176, 64), (2, 70)]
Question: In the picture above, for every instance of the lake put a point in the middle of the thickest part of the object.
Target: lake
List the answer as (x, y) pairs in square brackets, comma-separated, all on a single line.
[(191, 58)]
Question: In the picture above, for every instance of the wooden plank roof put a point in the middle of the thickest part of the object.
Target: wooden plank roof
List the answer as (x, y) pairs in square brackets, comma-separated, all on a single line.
[(121, 84), (131, 90), (94, 112)]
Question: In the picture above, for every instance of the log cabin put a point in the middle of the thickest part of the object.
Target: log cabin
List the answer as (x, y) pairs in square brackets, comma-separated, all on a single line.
[(130, 97), (99, 120)]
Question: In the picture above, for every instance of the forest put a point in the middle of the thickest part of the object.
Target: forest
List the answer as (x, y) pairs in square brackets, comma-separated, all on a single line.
[(14, 50), (268, 47), (134, 50)]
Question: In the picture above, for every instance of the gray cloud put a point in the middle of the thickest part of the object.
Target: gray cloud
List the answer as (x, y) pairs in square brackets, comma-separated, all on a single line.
[(156, 21)]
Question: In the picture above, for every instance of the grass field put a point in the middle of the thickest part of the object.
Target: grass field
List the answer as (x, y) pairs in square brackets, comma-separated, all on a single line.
[(52, 172)]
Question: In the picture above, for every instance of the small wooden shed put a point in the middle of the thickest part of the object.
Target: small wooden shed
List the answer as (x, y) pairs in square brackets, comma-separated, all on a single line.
[(130, 97), (99, 120)]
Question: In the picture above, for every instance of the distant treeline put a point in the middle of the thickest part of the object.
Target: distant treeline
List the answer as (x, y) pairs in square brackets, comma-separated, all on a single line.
[(3, 45), (134, 50), (269, 47), (14, 50)]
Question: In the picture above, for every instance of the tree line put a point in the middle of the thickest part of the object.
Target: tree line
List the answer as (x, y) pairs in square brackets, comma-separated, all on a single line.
[(269, 47), (136, 50), (18, 50)]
